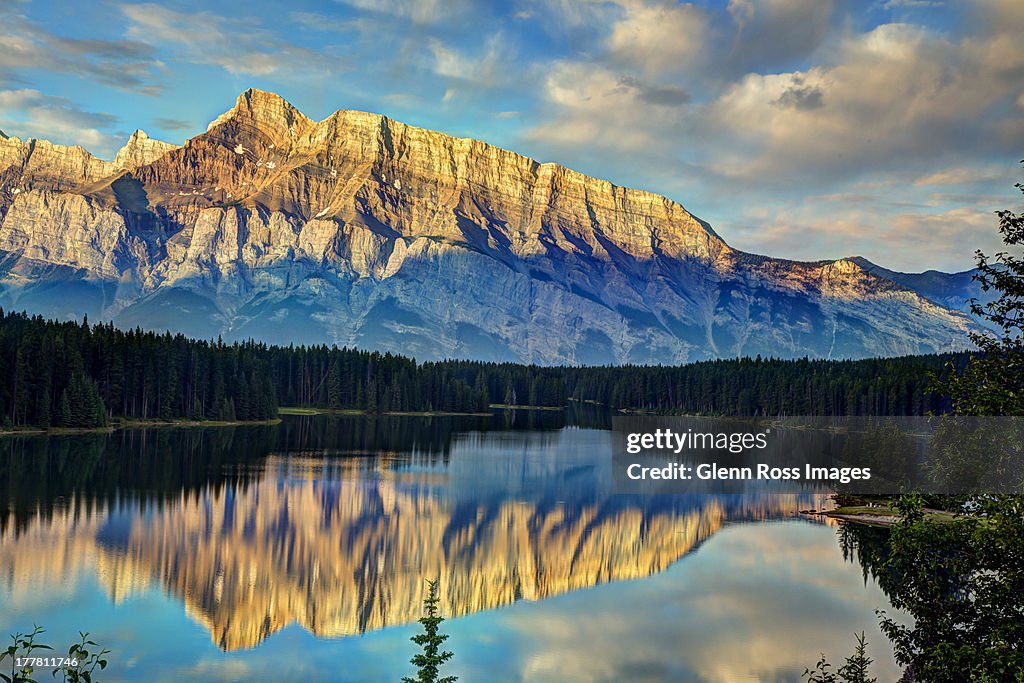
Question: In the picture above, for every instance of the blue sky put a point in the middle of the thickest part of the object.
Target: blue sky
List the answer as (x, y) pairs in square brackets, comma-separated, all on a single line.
[(805, 129)]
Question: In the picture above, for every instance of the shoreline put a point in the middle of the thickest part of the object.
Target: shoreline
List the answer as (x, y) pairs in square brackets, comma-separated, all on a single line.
[(875, 516), (296, 410), (116, 425), (355, 412)]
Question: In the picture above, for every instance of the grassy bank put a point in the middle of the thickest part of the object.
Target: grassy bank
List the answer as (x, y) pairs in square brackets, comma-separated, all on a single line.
[(880, 514)]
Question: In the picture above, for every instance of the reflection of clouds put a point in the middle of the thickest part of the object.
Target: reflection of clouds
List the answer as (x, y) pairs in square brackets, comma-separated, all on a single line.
[(755, 603), (221, 669)]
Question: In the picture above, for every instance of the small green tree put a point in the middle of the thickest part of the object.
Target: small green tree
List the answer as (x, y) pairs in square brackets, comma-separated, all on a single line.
[(857, 666), (429, 661), (854, 670)]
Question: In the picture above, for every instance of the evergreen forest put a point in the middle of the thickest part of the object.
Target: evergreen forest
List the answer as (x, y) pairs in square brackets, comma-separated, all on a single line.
[(77, 375)]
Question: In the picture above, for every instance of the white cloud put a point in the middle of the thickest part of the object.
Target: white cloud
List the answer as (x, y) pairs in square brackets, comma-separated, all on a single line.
[(658, 38), (486, 68), (965, 175), (602, 107), (417, 11), (896, 95), (25, 47), (57, 119), (912, 237), (911, 4), (239, 46)]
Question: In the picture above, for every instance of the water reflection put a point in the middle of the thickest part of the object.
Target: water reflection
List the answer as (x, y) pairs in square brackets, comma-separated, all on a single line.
[(333, 524)]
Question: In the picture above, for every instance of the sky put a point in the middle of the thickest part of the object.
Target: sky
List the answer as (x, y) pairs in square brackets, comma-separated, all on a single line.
[(802, 129)]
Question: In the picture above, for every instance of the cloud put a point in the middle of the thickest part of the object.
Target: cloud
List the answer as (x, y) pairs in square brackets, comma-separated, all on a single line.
[(769, 33), (314, 21), (240, 46), (965, 175), (668, 95), (911, 4), (417, 11), (800, 96), (57, 119), (174, 124), (658, 38), (911, 233), (601, 107), (562, 15), (896, 96), (26, 47), (486, 68), (665, 38)]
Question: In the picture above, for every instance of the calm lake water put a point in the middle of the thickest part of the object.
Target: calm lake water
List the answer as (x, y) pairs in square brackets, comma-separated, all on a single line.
[(298, 552)]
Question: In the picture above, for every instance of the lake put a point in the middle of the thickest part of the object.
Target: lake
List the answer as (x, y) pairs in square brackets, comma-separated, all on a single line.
[(299, 552)]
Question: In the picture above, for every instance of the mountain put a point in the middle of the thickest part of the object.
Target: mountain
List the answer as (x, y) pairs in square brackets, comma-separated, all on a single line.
[(952, 290), (360, 230)]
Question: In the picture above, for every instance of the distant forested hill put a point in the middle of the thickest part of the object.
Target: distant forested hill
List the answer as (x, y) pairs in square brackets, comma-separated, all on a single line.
[(70, 374)]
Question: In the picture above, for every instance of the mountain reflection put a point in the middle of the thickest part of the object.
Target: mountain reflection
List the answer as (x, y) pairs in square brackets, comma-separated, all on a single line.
[(335, 524)]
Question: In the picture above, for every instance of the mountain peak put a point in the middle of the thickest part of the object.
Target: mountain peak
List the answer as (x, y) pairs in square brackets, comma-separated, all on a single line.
[(141, 150), (268, 112)]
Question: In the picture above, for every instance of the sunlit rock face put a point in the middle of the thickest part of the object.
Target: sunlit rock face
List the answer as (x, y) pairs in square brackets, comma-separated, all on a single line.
[(345, 554), (360, 230)]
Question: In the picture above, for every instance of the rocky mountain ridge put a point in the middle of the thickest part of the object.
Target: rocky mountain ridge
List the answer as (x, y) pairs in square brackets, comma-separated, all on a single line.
[(362, 231)]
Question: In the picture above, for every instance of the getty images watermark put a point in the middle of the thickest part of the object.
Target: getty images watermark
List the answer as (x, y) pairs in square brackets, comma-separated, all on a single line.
[(865, 455)]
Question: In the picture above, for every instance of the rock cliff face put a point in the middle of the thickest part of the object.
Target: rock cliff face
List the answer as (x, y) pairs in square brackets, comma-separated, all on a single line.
[(360, 230)]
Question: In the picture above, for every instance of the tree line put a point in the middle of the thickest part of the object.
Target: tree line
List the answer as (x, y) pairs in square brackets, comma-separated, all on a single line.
[(73, 374), (737, 387)]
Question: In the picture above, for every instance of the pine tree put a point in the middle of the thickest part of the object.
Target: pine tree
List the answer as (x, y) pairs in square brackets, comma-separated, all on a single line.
[(334, 385), (64, 415), (856, 668), (430, 660)]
